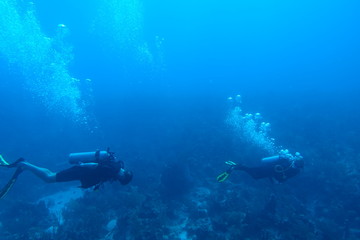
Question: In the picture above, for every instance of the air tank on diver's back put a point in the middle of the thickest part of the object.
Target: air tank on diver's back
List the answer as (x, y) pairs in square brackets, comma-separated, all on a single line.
[(87, 157), (283, 154), (270, 159)]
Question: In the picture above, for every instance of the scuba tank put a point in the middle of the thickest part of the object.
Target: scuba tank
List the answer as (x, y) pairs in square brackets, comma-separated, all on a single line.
[(283, 154), (87, 157), (270, 159)]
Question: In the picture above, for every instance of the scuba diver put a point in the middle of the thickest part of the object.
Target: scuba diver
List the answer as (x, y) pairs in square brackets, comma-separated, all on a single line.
[(277, 168), (92, 169)]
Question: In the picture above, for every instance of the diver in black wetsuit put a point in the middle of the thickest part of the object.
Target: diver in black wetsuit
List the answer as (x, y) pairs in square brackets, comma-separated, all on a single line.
[(277, 168), (92, 169)]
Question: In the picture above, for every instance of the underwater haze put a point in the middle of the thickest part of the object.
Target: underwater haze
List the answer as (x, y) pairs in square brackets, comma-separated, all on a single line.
[(176, 89)]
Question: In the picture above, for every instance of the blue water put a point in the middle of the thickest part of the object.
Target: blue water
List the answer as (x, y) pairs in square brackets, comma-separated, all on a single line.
[(151, 80)]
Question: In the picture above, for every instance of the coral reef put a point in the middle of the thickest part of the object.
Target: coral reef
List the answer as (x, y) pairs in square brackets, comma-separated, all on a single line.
[(181, 200)]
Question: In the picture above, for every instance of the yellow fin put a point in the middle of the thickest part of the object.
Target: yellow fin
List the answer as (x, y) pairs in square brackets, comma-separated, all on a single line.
[(222, 177)]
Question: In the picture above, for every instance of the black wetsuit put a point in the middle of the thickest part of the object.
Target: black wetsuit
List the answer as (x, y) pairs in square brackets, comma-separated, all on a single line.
[(279, 170), (105, 171)]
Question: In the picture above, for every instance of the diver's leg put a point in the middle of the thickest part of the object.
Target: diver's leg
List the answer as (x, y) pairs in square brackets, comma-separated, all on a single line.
[(45, 174)]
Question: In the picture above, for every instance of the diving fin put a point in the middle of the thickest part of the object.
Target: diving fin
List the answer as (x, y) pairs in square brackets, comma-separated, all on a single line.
[(10, 183), (230, 163), (225, 175), (3, 162)]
